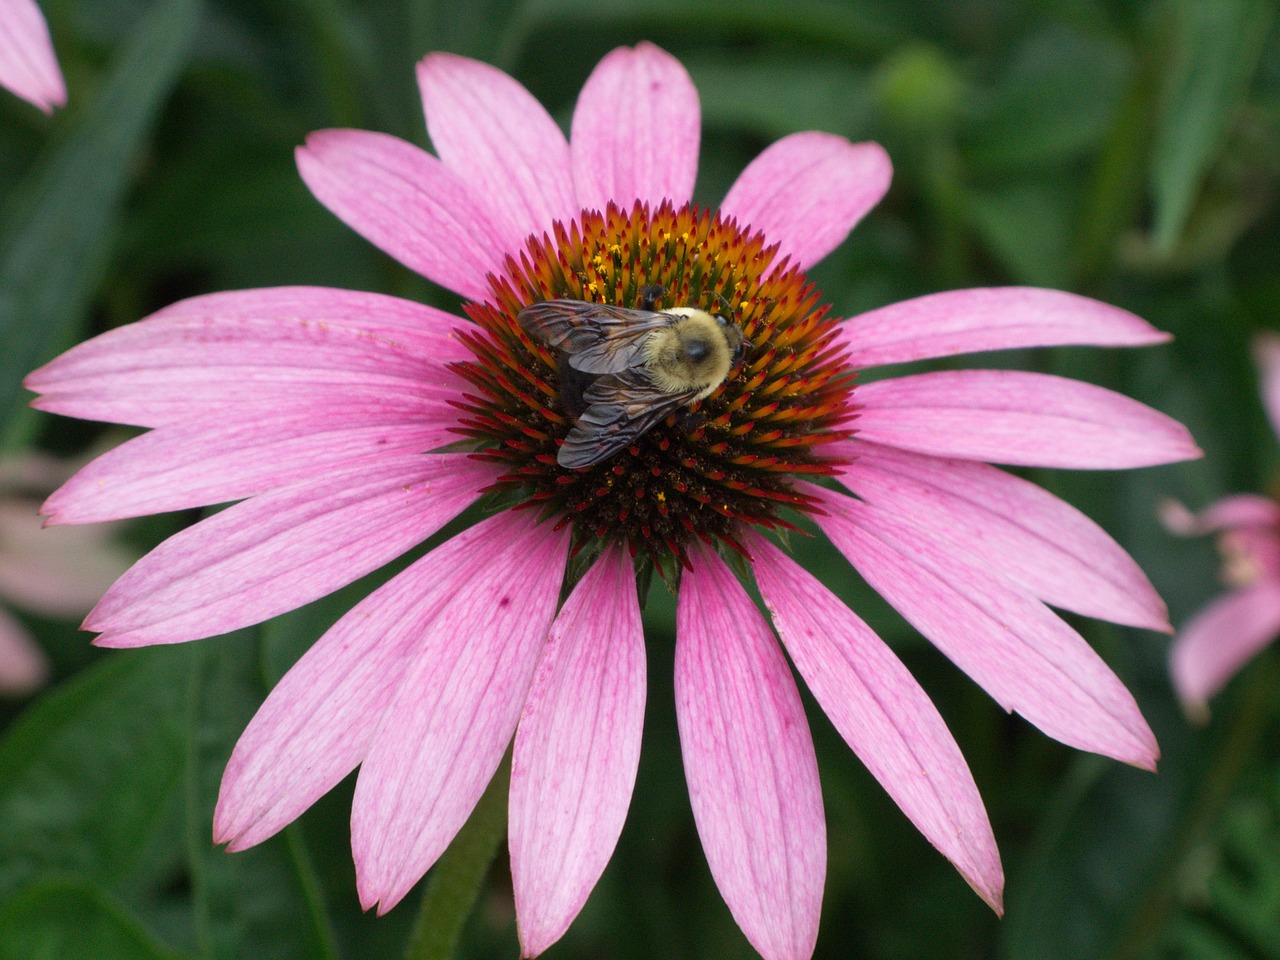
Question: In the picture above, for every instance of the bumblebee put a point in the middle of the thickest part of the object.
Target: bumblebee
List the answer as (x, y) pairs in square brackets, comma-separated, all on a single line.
[(622, 371)]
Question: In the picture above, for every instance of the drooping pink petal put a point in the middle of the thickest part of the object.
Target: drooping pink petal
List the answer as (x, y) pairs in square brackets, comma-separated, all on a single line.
[(1266, 355), (1026, 419), (749, 763), (1020, 530), (59, 572), (576, 752), (993, 318), (636, 130), (319, 720), (1008, 642), (807, 191), (1222, 638), (23, 666), (884, 716), (445, 730), (192, 359), (261, 349), (408, 204), (377, 313), (1237, 510), (28, 66), (179, 467), (283, 549), (500, 141)]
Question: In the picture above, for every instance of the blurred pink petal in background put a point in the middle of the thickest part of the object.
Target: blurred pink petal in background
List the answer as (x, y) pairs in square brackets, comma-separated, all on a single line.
[(55, 573), (28, 66), (1219, 640)]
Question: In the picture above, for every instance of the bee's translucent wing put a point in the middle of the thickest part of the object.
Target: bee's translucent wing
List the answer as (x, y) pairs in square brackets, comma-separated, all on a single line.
[(621, 408), (598, 337)]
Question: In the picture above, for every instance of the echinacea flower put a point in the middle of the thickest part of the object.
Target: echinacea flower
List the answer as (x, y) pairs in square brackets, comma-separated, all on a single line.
[(57, 573), (28, 66), (317, 408), (1214, 644)]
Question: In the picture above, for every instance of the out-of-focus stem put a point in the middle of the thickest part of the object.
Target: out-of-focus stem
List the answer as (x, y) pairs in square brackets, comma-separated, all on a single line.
[(456, 881)]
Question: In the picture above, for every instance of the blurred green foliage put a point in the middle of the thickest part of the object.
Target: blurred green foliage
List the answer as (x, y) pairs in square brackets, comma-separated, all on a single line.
[(1127, 150)]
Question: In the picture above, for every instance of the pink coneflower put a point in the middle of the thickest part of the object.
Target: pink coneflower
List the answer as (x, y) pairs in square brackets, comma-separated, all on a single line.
[(1225, 635), (57, 573), (315, 407), (28, 66)]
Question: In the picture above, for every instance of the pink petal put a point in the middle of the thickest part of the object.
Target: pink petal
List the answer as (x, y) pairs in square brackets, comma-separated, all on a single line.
[(60, 571), (178, 467), (636, 130), (1019, 530), (321, 718), (1266, 354), (375, 314), (283, 549), (28, 66), (999, 318), (807, 191), (749, 763), (408, 204), (576, 752), (1010, 644), (1221, 639), (444, 732), (884, 716), (497, 139), (243, 352), (23, 666), (1238, 510), (1027, 419)]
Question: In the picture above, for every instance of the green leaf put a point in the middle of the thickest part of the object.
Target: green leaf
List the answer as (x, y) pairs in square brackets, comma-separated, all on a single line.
[(1231, 889), (91, 775), (67, 920), (1054, 103), (265, 902), (1216, 51), (872, 26), (772, 99), (1027, 226), (58, 232), (1100, 880)]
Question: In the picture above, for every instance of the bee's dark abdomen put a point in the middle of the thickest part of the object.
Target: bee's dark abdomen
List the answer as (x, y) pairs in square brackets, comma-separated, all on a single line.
[(573, 384)]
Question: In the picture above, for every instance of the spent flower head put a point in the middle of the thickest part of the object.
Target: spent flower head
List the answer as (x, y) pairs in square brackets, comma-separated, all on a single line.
[(353, 426)]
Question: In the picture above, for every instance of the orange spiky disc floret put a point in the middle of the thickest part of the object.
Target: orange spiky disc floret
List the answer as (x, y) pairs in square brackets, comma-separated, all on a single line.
[(732, 458)]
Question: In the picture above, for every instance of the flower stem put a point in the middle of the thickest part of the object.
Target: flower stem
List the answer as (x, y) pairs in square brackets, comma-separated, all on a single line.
[(1249, 725), (454, 885)]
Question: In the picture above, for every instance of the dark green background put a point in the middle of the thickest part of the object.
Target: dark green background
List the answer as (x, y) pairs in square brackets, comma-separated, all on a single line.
[(1126, 150)]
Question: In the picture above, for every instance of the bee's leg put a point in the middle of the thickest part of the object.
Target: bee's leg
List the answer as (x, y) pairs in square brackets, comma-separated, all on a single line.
[(690, 420), (650, 296), (573, 384)]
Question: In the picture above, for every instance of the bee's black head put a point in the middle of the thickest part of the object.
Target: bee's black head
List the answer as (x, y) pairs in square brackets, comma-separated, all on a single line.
[(697, 350)]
